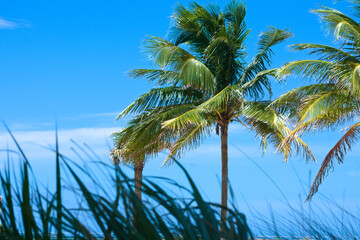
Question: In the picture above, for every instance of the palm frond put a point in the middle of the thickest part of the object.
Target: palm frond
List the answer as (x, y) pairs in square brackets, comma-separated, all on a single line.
[(343, 26), (192, 138), (266, 123), (270, 126), (161, 77), (336, 153), (342, 110), (144, 134), (235, 14), (356, 7), (290, 102), (326, 53), (355, 80), (261, 61), (197, 116), (165, 54), (195, 74), (162, 97), (314, 105), (309, 69)]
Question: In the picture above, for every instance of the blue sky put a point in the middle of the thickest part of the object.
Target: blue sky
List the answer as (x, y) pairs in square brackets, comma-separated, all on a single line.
[(68, 61)]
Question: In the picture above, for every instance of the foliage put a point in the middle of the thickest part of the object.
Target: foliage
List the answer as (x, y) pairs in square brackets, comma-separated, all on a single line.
[(110, 207), (204, 80), (334, 97)]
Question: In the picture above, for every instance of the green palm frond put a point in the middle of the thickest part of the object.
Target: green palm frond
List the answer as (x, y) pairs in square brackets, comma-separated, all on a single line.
[(254, 88), (356, 7), (267, 39), (144, 134), (334, 99), (188, 28), (341, 110), (310, 69), (340, 24), (355, 80), (336, 153), (197, 116), (316, 104), (235, 14), (162, 97), (291, 101), (263, 112), (165, 54), (194, 73), (303, 149), (161, 77), (269, 125), (231, 94), (191, 138), (326, 53), (261, 61), (337, 105), (271, 37)]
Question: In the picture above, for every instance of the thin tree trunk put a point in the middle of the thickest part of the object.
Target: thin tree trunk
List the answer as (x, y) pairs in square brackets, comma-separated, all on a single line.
[(138, 168), (224, 171)]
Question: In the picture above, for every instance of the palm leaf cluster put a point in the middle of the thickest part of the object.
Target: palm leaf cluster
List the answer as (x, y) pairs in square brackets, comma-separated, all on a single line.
[(333, 99)]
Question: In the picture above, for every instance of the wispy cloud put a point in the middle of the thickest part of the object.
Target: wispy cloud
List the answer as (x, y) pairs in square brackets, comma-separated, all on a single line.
[(109, 117), (30, 141), (91, 115), (6, 23)]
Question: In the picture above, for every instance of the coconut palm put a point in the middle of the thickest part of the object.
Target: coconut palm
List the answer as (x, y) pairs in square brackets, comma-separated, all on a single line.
[(143, 138), (203, 75), (132, 146), (334, 97)]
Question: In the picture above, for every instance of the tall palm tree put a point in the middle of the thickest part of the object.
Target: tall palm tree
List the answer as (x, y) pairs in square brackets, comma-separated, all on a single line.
[(203, 75), (334, 98)]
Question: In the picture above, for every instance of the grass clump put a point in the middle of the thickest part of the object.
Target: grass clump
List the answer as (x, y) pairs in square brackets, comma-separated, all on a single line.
[(109, 209)]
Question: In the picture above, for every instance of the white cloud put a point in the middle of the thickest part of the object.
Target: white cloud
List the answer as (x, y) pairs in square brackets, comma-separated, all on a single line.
[(6, 23), (33, 142), (92, 115)]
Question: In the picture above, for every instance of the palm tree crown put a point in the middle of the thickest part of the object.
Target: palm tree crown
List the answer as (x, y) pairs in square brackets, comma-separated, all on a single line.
[(334, 99)]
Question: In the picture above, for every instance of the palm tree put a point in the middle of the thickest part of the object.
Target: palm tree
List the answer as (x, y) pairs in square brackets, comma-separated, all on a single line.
[(203, 75), (334, 99), (143, 138)]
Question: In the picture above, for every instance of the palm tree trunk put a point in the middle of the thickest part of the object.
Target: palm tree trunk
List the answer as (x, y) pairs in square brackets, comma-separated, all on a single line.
[(138, 168), (224, 171)]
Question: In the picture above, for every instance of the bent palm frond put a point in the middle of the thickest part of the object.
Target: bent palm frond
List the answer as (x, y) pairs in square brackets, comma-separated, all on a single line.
[(340, 111), (340, 24), (326, 53), (309, 69), (336, 153), (290, 102)]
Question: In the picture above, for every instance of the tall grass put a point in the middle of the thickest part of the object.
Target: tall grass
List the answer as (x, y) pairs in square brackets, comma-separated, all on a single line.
[(111, 209), (103, 204)]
